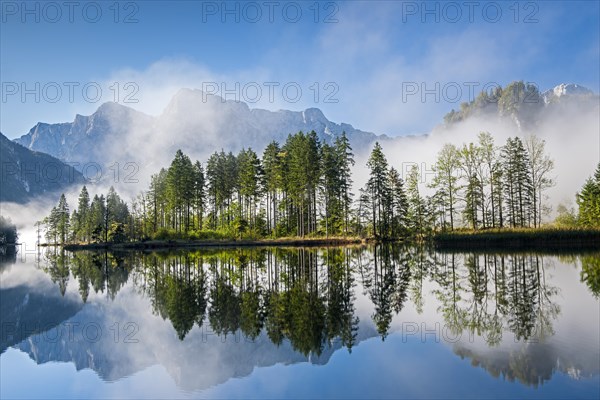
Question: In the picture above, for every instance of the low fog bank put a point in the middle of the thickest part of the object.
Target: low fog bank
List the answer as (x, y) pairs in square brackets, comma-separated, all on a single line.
[(572, 141)]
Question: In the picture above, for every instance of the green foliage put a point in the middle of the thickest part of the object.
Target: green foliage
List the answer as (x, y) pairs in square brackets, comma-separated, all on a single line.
[(8, 231), (566, 217), (58, 222), (590, 273), (303, 188), (116, 233), (518, 100), (445, 182), (588, 200), (518, 183)]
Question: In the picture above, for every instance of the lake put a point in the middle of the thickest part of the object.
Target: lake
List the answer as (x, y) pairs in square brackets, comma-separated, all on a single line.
[(385, 321)]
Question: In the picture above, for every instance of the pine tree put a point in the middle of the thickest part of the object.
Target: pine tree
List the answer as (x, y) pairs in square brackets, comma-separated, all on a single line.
[(82, 229), (250, 177), (470, 160), (199, 199), (302, 163), (379, 191), (345, 163), (398, 204), (492, 177), (588, 200), (273, 175), (180, 191), (517, 183), (97, 217), (116, 213), (473, 200), (417, 207), (62, 219), (331, 191)]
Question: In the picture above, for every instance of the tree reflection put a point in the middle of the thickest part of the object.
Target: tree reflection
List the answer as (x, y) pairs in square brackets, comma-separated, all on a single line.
[(495, 292), (105, 272), (590, 273), (307, 296), (8, 257), (385, 278)]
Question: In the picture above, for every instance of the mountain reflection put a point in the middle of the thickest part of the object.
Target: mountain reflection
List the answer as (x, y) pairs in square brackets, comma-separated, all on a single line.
[(307, 297)]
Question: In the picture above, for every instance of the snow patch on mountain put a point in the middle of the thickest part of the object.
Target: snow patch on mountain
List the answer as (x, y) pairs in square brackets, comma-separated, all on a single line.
[(565, 89)]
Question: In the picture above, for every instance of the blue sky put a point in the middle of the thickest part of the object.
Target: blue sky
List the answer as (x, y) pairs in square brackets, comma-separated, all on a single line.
[(362, 62)]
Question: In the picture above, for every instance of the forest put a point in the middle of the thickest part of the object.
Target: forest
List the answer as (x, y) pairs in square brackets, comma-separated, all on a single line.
[(304, 188), (8, 232)]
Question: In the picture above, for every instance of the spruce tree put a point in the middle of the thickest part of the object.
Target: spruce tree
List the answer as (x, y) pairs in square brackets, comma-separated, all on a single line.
[(379, 191), (588, 200)]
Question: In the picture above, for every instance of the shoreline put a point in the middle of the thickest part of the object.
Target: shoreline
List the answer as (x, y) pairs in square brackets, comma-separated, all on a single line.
[(175, 244), (521, 239), (492, 239)]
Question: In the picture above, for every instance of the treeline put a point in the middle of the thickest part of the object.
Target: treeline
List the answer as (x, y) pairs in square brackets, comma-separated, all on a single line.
[(492, 187), (478, 185), (301, 188), (103, 219), (8, 231), (588, 204), (304, 188)]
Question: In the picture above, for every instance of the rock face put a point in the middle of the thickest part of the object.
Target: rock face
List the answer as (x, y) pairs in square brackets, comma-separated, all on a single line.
[(193, 121), (84, 140), (565, 89), (26, 174), (524, 105)]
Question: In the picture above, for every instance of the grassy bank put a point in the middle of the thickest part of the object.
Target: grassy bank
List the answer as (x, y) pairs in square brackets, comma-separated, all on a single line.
[(520, 239), (164, 244)]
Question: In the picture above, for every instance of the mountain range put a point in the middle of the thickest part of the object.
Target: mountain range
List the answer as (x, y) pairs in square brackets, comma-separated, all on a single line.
[(27, 174), (193, 121), (200, 124)]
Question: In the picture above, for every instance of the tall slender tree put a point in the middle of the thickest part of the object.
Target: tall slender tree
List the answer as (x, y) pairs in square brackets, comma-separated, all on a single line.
[(445, 180), (379, 191)]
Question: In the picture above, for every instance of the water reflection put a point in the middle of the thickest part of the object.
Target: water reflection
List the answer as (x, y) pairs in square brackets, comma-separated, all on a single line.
[(486, 294), (300, 295), (499, 310)]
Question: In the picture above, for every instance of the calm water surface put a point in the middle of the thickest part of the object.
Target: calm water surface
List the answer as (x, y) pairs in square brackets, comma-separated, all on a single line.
[(355, 322)]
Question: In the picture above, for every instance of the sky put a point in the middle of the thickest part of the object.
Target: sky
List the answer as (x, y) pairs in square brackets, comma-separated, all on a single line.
[(387, 67)]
